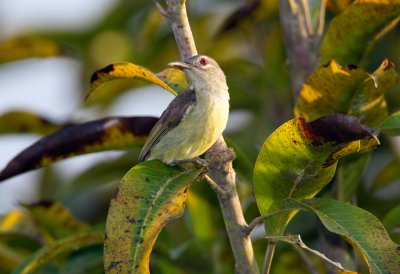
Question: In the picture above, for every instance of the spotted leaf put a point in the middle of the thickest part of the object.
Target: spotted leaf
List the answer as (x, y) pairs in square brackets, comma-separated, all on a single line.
[(359, 227), (100, 135), (299, 159), (149, 196), (99, 92)]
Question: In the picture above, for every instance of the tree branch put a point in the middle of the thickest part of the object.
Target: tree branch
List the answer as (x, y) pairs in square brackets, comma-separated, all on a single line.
[(301, 39), (222, 172), (220, 157)]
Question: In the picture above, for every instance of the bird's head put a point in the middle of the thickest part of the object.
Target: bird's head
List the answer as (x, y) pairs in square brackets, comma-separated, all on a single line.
[(202, 71)]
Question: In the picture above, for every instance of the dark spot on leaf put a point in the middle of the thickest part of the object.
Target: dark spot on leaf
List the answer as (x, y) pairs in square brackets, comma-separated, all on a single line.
[(131, 219), (139, 240), (95, 75), (339, 128), (398, 248), (327, 64), (75, 140), (351, 66), (113, 264), (115, 195), (105, 236), (316, 143)]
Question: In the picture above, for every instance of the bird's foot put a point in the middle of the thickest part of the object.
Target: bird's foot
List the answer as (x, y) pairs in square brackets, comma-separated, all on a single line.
[(198, 161)]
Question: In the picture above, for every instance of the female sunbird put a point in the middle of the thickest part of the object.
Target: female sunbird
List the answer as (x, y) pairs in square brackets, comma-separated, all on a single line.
[(195, 119)]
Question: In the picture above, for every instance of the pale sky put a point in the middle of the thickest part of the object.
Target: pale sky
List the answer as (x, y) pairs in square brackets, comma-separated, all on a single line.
[(49, 86)]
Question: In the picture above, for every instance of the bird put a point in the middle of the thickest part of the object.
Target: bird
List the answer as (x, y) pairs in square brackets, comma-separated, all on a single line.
[(195, 119)]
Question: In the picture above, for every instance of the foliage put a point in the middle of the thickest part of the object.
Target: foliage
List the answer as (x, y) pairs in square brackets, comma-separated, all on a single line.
[(291, 159)]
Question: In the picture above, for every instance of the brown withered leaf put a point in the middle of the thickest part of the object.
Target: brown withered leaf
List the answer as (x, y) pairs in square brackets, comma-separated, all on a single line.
[(99, 135)]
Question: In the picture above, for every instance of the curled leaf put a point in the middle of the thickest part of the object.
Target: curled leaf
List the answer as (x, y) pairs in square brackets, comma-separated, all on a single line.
[(100, 135), (119, 71), (174, 78), (299, 159), (348, 90)]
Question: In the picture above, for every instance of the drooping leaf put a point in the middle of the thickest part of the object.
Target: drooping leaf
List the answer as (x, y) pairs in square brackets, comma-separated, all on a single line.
[(388, 175), (299, 159), (348, 90), (27, 47), (359, 227), (26, 122), (353, 31), (149, 196), (48, 254), (174, 78), (100, 135), (391, 125), (119, 71), (54, 220)]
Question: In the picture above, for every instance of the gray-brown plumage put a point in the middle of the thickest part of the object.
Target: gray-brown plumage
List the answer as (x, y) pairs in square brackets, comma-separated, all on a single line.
[(195, 119)]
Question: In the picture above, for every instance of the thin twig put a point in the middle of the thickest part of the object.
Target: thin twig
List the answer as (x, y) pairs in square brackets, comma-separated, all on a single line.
[(214, 186), (259, 220), (309, 264), (161, 9)]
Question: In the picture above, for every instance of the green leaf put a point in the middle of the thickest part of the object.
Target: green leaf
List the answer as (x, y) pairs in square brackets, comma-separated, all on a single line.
[(149, 196), (48, 254), (27, 47), (113, 133), (119, 71), (359, 26), (391, 125), (54, 220), (349, 90), (174, 78), (391, 221), (26, 122), (350, 171), (359, 227), (299, 159), (388, 175)]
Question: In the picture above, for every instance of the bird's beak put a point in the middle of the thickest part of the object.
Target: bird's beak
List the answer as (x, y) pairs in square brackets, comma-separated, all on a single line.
[(179, 65)]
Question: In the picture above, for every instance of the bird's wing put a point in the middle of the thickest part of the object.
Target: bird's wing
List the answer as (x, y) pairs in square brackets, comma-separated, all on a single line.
[(175, 112)]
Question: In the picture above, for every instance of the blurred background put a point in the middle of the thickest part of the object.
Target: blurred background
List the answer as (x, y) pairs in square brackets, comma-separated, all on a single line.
[(48, 52)]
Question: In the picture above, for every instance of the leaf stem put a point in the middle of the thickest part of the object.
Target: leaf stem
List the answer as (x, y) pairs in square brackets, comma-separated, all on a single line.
[(257, 221)]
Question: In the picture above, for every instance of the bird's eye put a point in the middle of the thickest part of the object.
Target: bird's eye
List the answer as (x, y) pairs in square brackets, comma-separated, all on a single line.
[(203, 61)]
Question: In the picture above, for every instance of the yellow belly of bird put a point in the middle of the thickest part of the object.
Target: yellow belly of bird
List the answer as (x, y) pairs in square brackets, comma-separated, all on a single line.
[(195, 134)]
